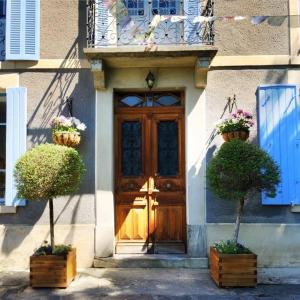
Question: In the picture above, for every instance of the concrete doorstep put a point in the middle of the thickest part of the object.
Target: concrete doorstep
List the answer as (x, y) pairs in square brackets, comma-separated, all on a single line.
[(155, 283)]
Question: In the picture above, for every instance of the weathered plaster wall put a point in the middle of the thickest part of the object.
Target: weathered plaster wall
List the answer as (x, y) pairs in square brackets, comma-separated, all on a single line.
[(275, 244), (63, 28), (243, 83), (47, 92), (17, 243), (243, 38)]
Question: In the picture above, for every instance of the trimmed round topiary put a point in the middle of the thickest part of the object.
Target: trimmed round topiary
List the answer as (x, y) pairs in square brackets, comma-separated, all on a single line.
[(48, 171), (240, 168)]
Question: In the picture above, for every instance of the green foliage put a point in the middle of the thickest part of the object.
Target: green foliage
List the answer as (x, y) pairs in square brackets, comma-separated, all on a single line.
[(230, 247), (46, 249), (62, 249), (48, 171), (239, 168)]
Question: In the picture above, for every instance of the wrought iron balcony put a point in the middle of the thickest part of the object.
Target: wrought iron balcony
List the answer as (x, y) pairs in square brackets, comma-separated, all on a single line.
[(149, 22)]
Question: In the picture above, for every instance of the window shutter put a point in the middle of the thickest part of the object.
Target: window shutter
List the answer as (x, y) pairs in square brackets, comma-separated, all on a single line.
[(279, 135), (23, 29), (16, 125), (192, 10)]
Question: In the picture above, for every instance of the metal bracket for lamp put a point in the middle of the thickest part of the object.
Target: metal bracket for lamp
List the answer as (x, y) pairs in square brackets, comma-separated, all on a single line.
[(69, 103)]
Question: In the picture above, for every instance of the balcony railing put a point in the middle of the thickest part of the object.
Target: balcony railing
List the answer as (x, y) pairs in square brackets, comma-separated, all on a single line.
[(148, 22)]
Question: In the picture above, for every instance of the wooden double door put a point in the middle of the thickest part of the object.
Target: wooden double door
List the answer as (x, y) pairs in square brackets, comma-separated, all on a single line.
[(150, 180)]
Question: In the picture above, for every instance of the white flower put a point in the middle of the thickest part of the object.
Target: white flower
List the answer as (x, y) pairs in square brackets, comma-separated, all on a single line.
[(81, 126), (76, 121)]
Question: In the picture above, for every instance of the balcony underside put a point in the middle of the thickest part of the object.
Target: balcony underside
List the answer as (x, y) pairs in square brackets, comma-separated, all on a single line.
[(158, 56)]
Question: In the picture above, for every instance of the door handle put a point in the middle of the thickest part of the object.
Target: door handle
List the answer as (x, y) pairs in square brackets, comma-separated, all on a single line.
[(155, 203)]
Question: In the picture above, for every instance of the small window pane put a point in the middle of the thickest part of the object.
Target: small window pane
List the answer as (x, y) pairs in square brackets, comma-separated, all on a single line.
[(131, 148), (2, 185), (168, 101), (2, 109), (2, 146), (2, 8), (168, 148), (132, 101)]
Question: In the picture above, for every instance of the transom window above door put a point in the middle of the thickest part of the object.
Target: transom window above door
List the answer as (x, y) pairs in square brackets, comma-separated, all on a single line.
[(151, 99)]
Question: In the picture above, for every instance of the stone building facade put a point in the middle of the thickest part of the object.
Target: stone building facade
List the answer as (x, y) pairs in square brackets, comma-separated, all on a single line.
[(242, 57)]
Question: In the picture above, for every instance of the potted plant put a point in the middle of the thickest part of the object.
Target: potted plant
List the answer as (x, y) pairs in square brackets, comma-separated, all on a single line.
[(66, 131), (237, 126), (236, 173), (43, 173)]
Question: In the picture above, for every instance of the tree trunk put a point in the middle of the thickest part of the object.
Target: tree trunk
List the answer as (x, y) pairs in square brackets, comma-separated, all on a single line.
[(238, 220), (51, 224)]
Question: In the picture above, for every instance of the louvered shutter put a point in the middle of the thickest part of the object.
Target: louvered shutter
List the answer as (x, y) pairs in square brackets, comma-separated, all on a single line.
[(23, 29), (191, 10), (16, 125), (279, 135)]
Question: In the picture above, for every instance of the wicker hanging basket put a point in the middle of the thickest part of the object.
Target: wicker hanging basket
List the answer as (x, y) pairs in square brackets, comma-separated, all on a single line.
[(241, 135), (70, 139)]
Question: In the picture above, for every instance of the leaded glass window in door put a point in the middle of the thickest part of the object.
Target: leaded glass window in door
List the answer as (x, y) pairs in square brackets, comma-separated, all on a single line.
[(131, 148), (167, 135)]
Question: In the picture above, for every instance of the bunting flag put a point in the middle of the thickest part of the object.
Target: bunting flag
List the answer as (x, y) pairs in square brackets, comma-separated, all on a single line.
[(119, 10)]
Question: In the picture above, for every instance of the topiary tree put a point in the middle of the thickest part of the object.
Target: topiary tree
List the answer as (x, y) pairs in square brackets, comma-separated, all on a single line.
[(237, 170), (48, 171)]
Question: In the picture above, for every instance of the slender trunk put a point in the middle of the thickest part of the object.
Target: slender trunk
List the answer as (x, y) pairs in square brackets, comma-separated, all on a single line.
[(51, 224), (238, 220)]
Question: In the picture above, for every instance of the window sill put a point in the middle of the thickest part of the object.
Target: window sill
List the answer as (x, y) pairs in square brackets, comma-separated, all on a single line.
[(295, 208), (7, 209)]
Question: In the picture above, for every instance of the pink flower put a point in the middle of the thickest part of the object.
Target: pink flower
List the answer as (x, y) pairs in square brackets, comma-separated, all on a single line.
[(239, 111)]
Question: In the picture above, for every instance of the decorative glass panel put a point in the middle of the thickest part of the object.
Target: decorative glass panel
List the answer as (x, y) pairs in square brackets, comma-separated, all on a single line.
[(131, 149), (168, 148), (135, 7), (168, 101), (164, 7), (132, 101), (2, 109), (149, 99)]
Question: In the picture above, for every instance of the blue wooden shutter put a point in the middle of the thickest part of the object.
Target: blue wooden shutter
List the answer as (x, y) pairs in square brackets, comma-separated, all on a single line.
[(191, 10), (23, 29), (279, 135), (16, 124)]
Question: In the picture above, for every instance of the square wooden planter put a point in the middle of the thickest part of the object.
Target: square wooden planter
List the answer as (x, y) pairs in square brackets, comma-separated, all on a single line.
[(53, 271), (233, 270)]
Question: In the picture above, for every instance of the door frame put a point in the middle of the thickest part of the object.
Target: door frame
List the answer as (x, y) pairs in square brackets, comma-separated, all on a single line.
[(182, 141)]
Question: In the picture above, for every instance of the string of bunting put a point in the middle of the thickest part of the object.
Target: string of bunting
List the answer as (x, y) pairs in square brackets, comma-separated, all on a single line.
[(119, 10)]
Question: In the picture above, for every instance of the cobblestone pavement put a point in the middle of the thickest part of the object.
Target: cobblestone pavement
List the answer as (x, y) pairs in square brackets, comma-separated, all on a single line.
[(141, 284)]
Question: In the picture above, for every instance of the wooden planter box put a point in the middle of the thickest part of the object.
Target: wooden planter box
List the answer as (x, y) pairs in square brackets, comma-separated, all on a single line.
[(233, 270), (55, 271)]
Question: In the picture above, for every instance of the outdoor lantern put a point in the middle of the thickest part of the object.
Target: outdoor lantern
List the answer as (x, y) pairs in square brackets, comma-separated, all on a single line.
[(150, 79)]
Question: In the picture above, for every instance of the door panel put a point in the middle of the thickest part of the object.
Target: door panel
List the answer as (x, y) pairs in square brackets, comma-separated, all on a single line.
[(150, 180)]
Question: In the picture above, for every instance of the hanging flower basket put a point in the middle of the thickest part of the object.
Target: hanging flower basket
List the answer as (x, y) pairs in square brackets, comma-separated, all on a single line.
[(66, 131), (70, 139), (236, 127), (242, 135)]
